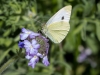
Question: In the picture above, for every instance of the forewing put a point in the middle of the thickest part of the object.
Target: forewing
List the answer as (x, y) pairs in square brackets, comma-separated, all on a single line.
[(62, 14)]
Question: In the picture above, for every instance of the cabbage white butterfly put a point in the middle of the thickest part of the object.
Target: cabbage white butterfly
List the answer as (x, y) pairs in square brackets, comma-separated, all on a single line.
[(57, 26)]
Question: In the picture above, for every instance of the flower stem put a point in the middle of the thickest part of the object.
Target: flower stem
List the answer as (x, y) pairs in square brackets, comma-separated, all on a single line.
[(7, 64)]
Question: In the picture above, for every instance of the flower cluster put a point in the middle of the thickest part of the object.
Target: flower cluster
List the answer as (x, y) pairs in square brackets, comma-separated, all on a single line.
[(35, 45), (84, 56)]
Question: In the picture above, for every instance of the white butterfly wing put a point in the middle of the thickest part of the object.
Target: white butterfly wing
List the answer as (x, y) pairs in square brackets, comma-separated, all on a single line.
[(57, 31), (63, 13), (58, 26)]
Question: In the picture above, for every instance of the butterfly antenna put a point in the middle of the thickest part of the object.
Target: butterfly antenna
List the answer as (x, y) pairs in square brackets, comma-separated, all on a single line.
[(37, 21)]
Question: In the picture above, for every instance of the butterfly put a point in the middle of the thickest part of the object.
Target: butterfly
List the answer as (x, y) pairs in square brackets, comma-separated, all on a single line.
[(57, 27)]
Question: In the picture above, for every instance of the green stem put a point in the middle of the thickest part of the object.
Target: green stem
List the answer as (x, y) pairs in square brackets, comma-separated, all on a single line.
[(61, 52), (7, 64)]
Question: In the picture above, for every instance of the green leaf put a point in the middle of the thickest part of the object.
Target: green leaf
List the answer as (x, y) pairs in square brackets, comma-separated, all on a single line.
[(7, 64), (1, 23), (4, 55), (6, 33), (98, 7), (26, 18), (8, 42), (98, 29), (88, 7), (78, 29), (92, 44)]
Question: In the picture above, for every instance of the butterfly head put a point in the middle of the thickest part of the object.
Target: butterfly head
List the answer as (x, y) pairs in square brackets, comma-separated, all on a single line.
[(44, 30)]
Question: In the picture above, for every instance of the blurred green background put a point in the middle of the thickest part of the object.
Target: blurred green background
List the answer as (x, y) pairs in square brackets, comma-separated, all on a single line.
[(32, 14)]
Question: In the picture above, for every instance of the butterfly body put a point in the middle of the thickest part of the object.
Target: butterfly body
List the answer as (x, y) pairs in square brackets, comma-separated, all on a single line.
[(58, 26)]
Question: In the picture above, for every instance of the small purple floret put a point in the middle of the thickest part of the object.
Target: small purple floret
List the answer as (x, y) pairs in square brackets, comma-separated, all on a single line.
[(84, 55), (33, 61), (81, 57), (27, 33), (33, 35), (21, 44), (45, 61)]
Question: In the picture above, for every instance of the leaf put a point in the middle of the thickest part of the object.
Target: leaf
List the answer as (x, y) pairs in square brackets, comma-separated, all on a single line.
[(80, 69), (88, 7), (78, 29), (76, 9), (92, 44), (98, 29), (25, 18), (90, 27), (7, 32), (4, 55), (8, 42), (1, 23), (38, 73), (7, 64), (3, 18), (98, 7)]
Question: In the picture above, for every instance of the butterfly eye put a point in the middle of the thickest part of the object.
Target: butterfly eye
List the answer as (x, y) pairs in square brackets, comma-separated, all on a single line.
[(62, 18)]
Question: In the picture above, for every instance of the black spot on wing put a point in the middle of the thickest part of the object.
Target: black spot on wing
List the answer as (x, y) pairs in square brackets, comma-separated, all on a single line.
[(62, 18)]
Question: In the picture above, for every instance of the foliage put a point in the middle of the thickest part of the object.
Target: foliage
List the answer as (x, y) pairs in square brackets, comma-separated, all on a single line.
[(85, 28)]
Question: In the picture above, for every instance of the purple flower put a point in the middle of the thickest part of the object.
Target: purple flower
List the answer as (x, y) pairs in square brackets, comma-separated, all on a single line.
[(21, 44), (40, 55), (81, 57), (45, 61), (33, 61), (88, 51), (28, 56), (84, 55), (31, 48), (33, 35), (25, 33), (27, 46), (35, 45)]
